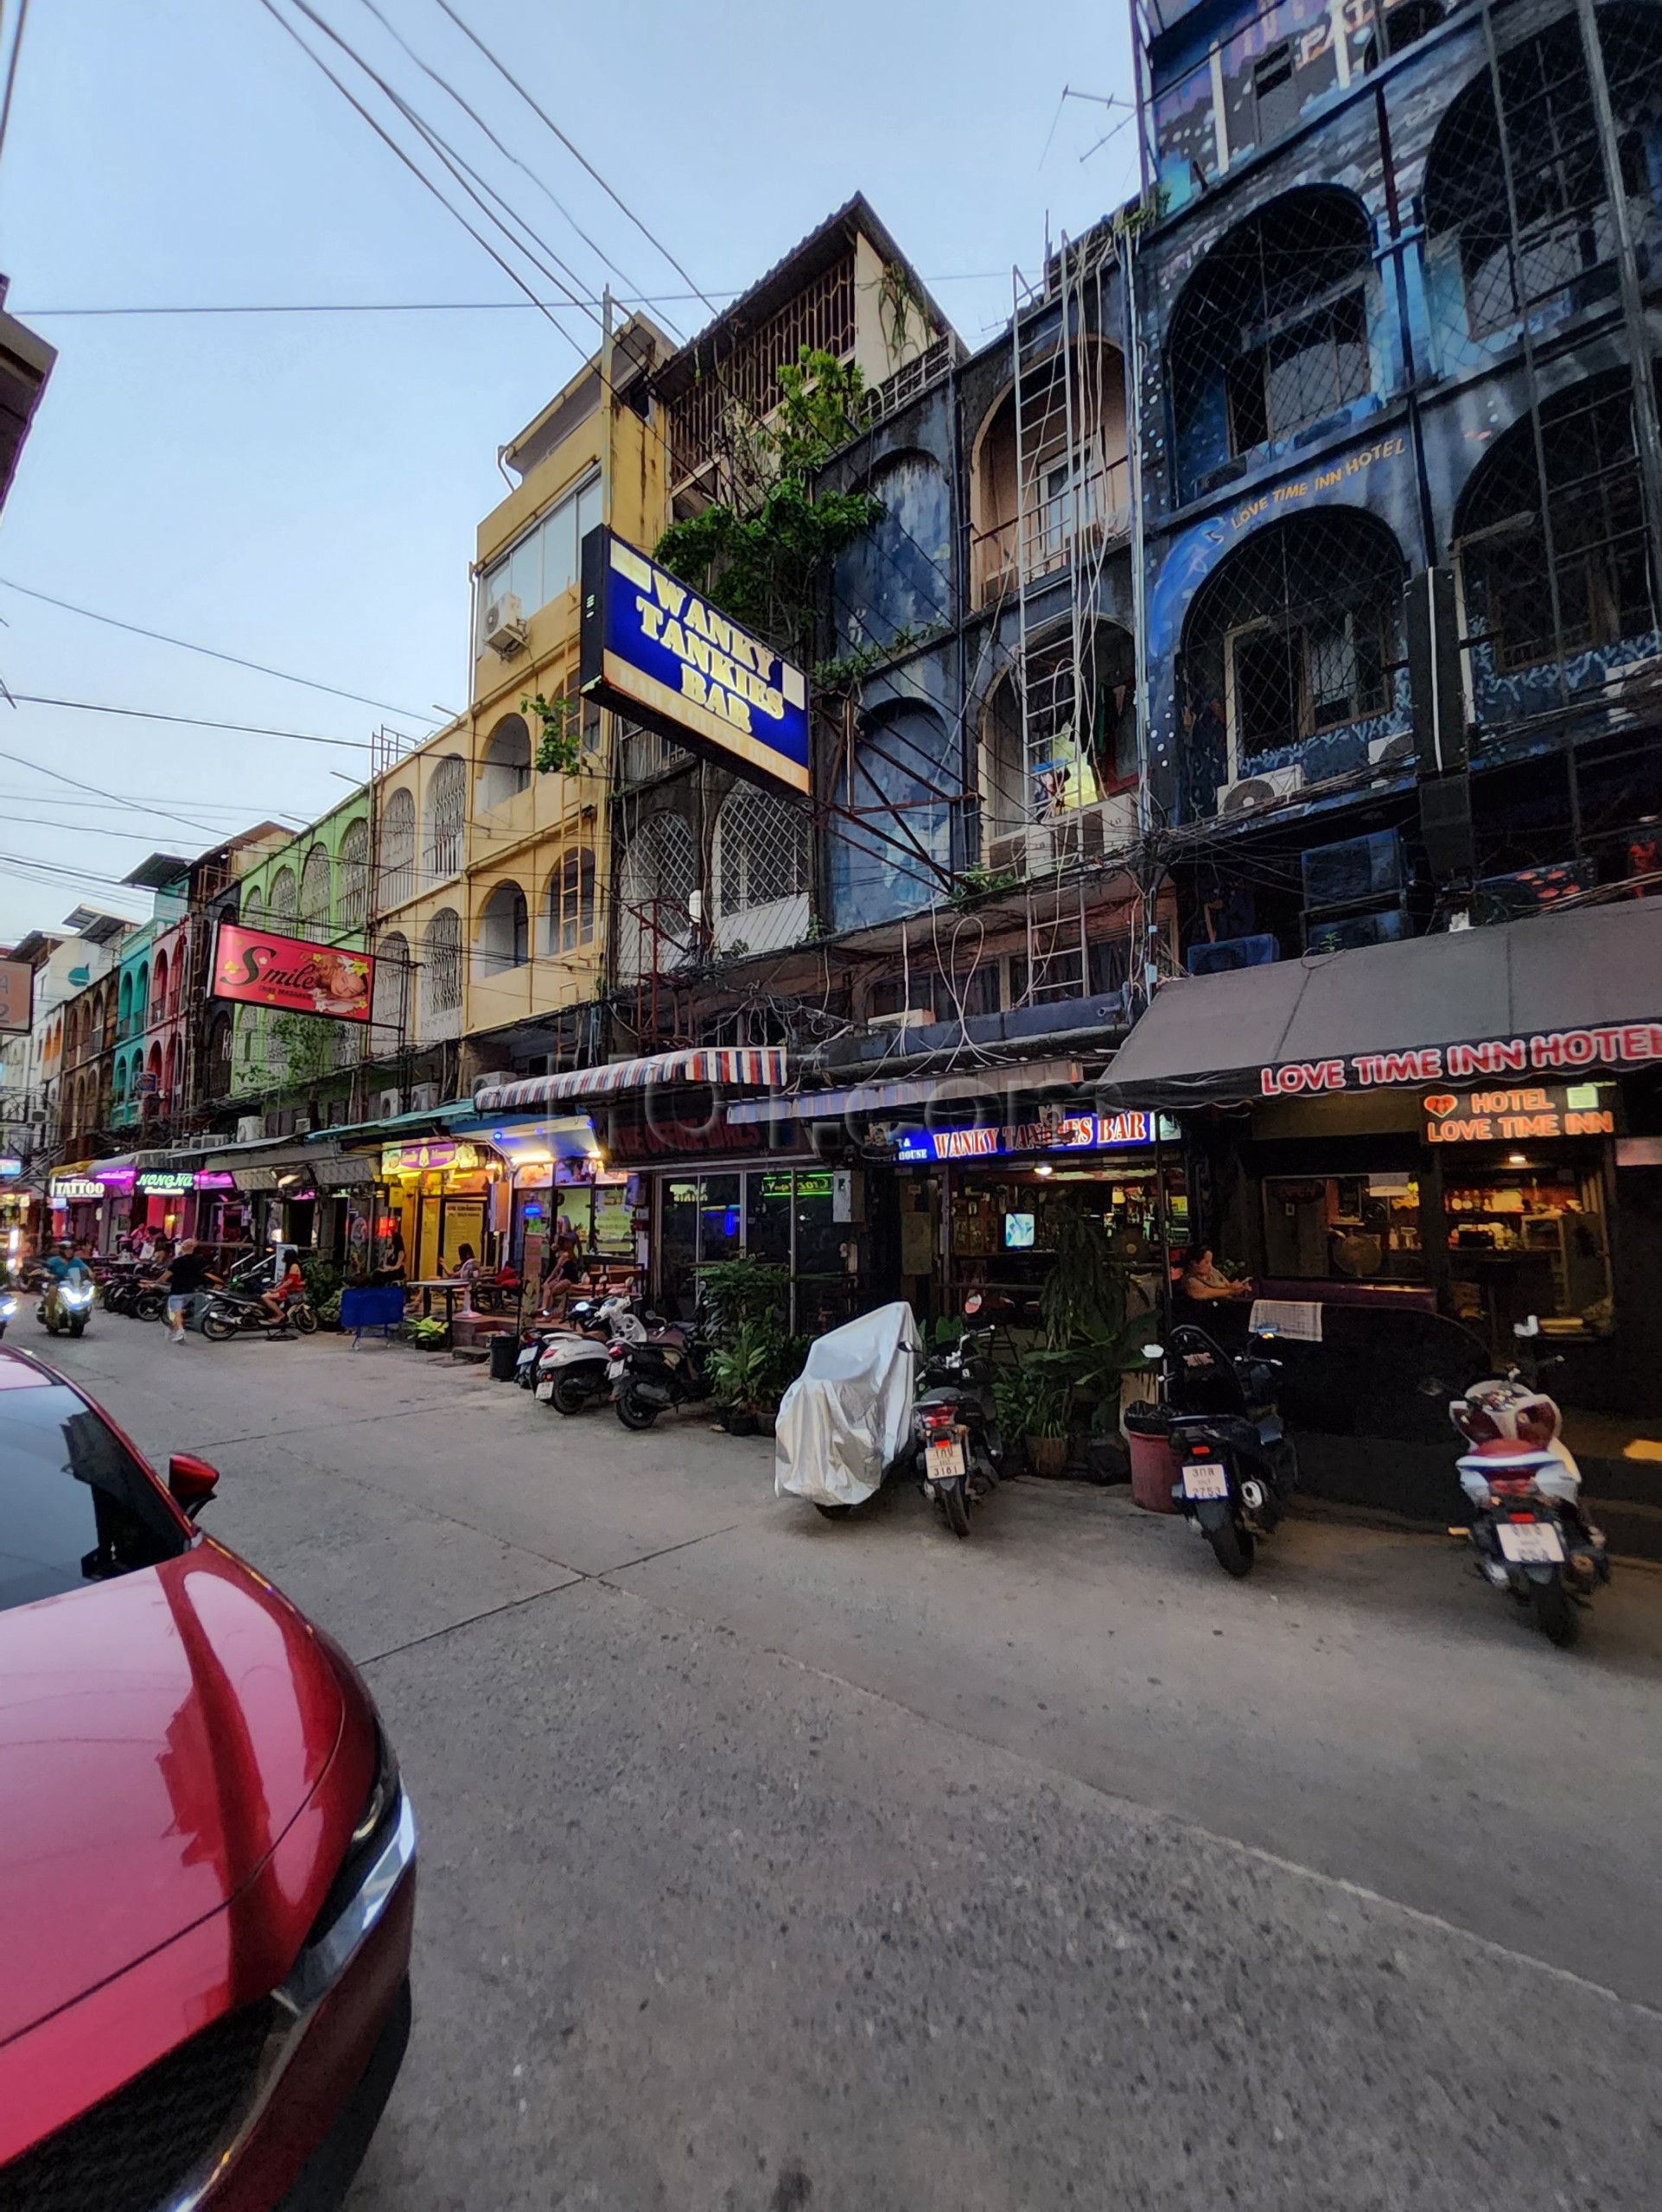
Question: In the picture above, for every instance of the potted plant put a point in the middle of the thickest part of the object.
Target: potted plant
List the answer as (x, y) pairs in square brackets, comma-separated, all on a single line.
[(752, 1368), (1032, 1403)]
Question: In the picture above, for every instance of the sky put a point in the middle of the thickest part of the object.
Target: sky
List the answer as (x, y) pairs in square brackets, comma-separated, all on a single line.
[(303, 489)]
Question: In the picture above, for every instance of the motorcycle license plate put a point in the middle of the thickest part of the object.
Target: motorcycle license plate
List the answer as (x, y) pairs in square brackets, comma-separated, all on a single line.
[(545, 1390), (1206, 1478), (1530, 1543), (945, 1459), (614, 1368)]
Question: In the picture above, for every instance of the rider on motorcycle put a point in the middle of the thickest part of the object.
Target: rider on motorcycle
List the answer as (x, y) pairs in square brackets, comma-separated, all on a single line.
[(291, 1284), (66, 1263)]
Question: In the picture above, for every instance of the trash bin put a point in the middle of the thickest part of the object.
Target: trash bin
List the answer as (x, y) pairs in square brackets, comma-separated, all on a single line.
[(1154, 1470), (505, 1355)]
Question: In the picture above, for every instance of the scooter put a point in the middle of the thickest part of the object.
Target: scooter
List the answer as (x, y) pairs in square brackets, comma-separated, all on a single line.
[(65, 1307), (654, 1373), (229, 1313), (1529, 1535), (959, 1447), (574, 1364), (1236, 1464)]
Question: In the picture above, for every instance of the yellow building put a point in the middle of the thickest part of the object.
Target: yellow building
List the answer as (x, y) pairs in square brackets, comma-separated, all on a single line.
[(536, 858)]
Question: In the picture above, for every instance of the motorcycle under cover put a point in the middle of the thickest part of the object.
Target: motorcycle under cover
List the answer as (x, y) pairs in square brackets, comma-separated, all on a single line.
[(848, 1414)]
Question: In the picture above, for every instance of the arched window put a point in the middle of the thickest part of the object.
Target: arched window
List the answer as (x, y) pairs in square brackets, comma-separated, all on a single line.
[(391, 1009), (1296, 636), (153, 1083), (442, 966), (170, 1080), (118, 1083), (1586, 536), (447, 802), (283, 897), (1271, 332), (249, 909), (900, 782), (655, 885), (504, 771), (1049, 489), (503, 939), (158, 991), (571, 901), (315, 889), (398, 850), (1060, 732), (352, 884), (1397, 28), (1565, 224), (218, 1057), (898, 573), (124, 1006), (762, 865)]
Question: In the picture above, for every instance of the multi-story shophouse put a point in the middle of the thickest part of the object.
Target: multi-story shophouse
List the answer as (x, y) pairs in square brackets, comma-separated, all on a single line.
[(1395, 283), (63, 1067)]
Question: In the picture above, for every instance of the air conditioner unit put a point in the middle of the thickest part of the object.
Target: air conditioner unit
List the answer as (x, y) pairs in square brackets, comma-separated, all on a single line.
[(303, 1126), (1251, 792), (1348, 874), (1390, 751), (251, 1128), (495, 1080), (1008, 856), (423, 1098), (1348, 931), (910, 1017), (1229, 953), (204, 1142), (504, 625), (392, 1102)]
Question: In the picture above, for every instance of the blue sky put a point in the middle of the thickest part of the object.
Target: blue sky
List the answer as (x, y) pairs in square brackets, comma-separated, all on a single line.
[(303, 490)]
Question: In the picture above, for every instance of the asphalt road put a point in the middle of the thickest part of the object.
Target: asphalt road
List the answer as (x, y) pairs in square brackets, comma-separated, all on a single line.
[(776, 1866)]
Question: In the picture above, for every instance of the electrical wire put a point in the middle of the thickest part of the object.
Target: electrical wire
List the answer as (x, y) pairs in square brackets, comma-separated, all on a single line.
[(12, 73), (192, 721), (434, 306), (503, 71), (445, 85), (212, 653), (161, 814)]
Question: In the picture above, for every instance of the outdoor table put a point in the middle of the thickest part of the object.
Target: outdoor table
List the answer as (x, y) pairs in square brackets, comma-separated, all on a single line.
[(453, 1289)]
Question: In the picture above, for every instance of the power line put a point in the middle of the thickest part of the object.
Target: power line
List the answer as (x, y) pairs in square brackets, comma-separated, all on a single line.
[(212, 653), (438, 307), (577, 155), (162, 814), (523, 167), (420, 174), (192, 721), (11, 72)]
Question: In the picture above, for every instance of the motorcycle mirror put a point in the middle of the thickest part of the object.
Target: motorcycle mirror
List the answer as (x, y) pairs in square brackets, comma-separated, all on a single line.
[(1530, 1328), (973, 1303), (1154, 1351)]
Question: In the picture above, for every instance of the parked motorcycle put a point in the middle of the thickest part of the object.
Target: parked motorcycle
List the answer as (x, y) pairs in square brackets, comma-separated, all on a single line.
[(671, 1369), (1237, 1467), (8, 1310), (574, 1362), (959, 1447), (233, 1313), (65, 1307), (1530, 1536)]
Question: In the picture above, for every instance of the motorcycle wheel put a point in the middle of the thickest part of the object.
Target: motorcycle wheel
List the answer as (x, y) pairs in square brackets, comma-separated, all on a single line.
[(77, 1328), (833, 1512), (570, 1395), (219, 1328), (634, 1412), (149, 1308), (1556, 1614), (1233, 1548), (303, 1318), (955, 1506)]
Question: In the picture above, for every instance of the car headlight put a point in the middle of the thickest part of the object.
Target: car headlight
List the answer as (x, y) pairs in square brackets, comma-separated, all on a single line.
[(373, 1825)]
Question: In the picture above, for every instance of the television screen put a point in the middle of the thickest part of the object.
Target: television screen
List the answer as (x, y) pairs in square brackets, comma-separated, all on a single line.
[(1018, 1232)]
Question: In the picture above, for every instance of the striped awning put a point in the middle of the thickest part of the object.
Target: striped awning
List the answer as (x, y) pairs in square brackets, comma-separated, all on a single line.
[(920, 1091), (762, 1067)]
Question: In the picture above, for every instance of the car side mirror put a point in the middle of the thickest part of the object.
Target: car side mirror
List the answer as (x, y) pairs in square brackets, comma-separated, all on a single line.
[(192, 1482)]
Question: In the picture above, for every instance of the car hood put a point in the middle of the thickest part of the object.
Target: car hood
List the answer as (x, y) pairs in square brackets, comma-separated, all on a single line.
[(158, 1735)]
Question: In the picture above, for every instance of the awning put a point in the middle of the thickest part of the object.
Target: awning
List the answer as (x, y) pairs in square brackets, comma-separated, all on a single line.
[(260, 1166), (898, 1097), (763, 1067), (1552, 995), (534, 1139)]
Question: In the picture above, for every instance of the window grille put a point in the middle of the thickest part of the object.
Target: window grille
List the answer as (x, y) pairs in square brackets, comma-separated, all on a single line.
[(447, 805), (398, 850)]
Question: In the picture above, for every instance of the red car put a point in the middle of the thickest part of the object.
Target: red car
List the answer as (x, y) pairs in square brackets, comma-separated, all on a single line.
[(207, 1859)]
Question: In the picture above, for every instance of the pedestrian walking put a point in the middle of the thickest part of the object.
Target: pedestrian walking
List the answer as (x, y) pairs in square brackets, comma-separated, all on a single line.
[(187, 1274)]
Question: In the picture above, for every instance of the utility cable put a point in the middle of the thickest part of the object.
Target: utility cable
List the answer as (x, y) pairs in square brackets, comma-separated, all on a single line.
[(558, 205), (192, 721), (162, 814), (12, 73), (576, 154), (212, 653)]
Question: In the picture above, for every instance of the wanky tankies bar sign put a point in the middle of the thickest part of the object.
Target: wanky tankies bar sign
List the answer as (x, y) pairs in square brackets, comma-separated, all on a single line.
[(655, 651), (290, 974)]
